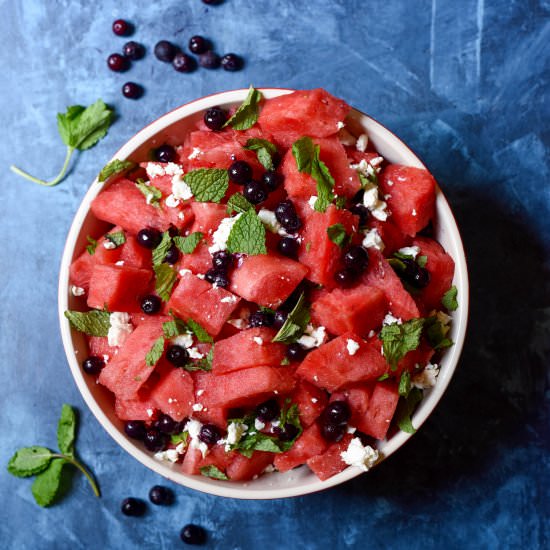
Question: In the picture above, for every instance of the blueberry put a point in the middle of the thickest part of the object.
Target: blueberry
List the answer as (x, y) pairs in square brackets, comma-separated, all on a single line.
[(209, 434), (149, 237), (166, 424), (133, 50), (414, 275), (240, 172), (194, 534), (165, 153), (122, 28), (280, 318), (345, 277), (155, 440), (295, 352), (161, 496), (255, 191), (183, 63), (150, 304), (215, 118), (131, 90), (289, 432), (337, 412), (93, 364), (177, 355), (272, 180), (222, 259), (217, 277), (132, 507), (209, 60), (356, 258), (173, 255), (135, 429), (333, 432), (268, 410), (362, 211), (231, 62), (286, 215), (288, 246), (117, 62), (165, 51), (198, 44), (261, 319), (173, 231)]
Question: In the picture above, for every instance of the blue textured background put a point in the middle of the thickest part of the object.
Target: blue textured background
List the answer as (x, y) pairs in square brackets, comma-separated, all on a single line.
[(466, 85)]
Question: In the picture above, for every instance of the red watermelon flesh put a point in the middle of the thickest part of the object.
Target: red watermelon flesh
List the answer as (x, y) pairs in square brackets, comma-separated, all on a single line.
[(200, 261), (267, 280), (331, 366), (135, 255), (141, 407), (309, 444), (211, 413), (249, 348), (241, 468), (310, 400), (99, 345), (441, 268), (118, 288), (412, 196), (208, 216), (313, 113), (197, 299), (381, 409), (392, 237), (359, 310), (358, 398), (80, 271), (330, 463), (194, 461), (355, 156), (174, 393)]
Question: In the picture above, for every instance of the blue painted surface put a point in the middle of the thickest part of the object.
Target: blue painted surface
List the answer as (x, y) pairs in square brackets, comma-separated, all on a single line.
[(466, 85)]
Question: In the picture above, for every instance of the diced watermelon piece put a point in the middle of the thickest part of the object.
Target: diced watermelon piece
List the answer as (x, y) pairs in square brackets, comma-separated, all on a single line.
[(330, 463), (380, 274), (355, 156), (248, 348), (412, 196), (382, 405), (200, 261), (174, 393), (135, 255), (194, 461), (313, 113), (208, 216), (267, 280), (441, 268), (317, 251), (126, 373), (420, 356), (359, 310), (99, 345), (310, 443), (242, 468), (141, 407), (118, 288), (358, 398), (331, 366), (80, 271), (390, 234), (197, 299), (211, 413), (310, 400)]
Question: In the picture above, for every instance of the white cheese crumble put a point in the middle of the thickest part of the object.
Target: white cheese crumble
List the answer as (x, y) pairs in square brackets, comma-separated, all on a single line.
[(120, 263), (390, 183), (170, 455), (77, 291), (220, 236), (193, 428), (362, 142), (258, 424), (195, 153), (313, 337), (194, 353), (120, 328), (371, 200), (312, 200), (200, 392), (314, 400), (154, 170), (389, 319), (171, 201), (182, 272), (414, 212), (229, 300), (198, 407), (351, 430), (183, 340), (363, 457), (237, 323), (427, 378), (109, 245), (373, 239), (105, 358), (352, 346), (270, 221), (410, 251), (340, 125), (235, 431), (371, 334), (258, 340)]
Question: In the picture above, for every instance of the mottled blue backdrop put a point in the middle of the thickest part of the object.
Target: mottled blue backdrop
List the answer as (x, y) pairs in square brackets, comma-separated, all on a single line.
[(466, 85)]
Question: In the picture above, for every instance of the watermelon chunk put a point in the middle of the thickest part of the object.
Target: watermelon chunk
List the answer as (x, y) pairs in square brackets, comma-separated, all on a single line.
[(412, 196), (267, 280), (99, 345), (80, 271), (382, 405), (331, 366), (211, 413), (135, 255), (330, 463), (194, 461), (310, 400), (118, 288), (208, 216), (197, 299), (358, 399), (242, 468), (308, 445), (141, 407), (390, 234), (174, 393), (248, 348), (199, 261)]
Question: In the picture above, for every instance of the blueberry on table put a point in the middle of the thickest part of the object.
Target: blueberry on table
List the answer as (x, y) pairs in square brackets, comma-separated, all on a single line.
[(255, 192), (122, 27), (261, 319), (268, 410), (155, 440), (161, 496), (177, 355), (272, 180), (183, 63), (222, 259), (149, 237), (337, 412), (193, 534), (117, 63), (165, 153), (209, 60), (132, 507), (288, 246), (215, 118), (240, 172), (165, 51), (345, 277), (173, 255), (231, 62), (295, 352), (356, 258), (135, 429), (217, 277), (209, 434), (131, 90), (133, 50), (286, 215), (198, 44), (93, 364)]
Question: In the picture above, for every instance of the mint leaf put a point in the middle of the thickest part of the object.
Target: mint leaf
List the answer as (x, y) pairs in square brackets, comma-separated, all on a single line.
[(113, 168), (29, 461), (165, 277), (155, 353), (238, 203), (247, 114), (340, 202), (303, 151), (449, 300), (264, 151), (213, 472), (160, 251), (174, 328), (91, 246), (187, 245), (337, 234), (436, 334), (247, 236), (199, 331), (118, 238), (46, 485), (398, 340), (285, 362), (290, 415), (179, 438), (383, 377), (370, 179), (295, 323), (93, 322), (405, 409), (204, 364), (208, 184), (422, 260), (151, 193), (66, 430), (404, 384)]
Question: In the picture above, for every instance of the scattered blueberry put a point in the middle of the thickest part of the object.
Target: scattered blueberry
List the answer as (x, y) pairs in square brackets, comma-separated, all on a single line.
[(295, 352), (222, 259), (177, 355), (240, 172), (416, 276), (356, 258), (215, 118), (173, 255), (345, 277), (93, 364), (333, 432), (165, 51), (193, 534), (261, 319), (209, 60), (135, 429), (217, 277), (150, 304), (183, 63), (288, 433), (209, 434), (280, 318), (161, 496), (166, 424), (133, 50), (286, 215), (149, 237), (362, 212), (255, 191), (272, 180), (155, 440), (268, 410), (337, 412), (132, 507), (117, 62), (288, 246), (122, 28), (231, 62), (198, 44), (131, 90), (173, 231), (165, 153)]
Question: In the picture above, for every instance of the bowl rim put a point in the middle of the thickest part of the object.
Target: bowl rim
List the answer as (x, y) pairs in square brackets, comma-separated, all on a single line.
[(243, 490)]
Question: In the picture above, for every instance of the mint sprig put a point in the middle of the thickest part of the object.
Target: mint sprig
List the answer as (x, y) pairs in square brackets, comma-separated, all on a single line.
[(161, 250), (155, 353), (118, 238), (114, 168), (295, 323), (398, 340), (80, 128), (92, 245), (213, 472), (264, 151), (151, 193), (247, 114), (93, 322), (187, 245), (337, 234), (48, 466), (165, 278), (405, 409), (238, 203), (449, 300), (208, 184), (247, 236)]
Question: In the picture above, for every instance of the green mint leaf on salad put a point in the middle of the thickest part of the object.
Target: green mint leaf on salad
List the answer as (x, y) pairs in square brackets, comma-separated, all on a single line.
[(449, 300), (295, 323), (187, 245), (247, 236), (404, 384), (155, 353), (66, 430), (213, 472), (92, 245), (422, 260), (151, 193), (80, 128), (247, 114), (238, 203), (29, 461), (118, 238), (405, 409), (114, 168), (180, 438), (436, 334), (340, 202), (264, 151), (208, 184), (199, 331), (165, 277), (399, 339), (383, 377), (337, 234), (173, 328), (160, 251), (204, 364), (93, 322)]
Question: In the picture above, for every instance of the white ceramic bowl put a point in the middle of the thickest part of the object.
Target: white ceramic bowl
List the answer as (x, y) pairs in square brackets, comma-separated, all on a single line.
[(172, 128)]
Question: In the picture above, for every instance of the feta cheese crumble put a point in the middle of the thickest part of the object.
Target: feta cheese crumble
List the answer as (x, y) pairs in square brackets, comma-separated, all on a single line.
[(412, 251), (195, 153), (352, 346), (220, 236), (198, 407), (269, 219), (193, 428), (182, 272), (414, 212), (340, 125), (362, 142), (183, 340), (313, 337), (109, 245), (389, 319), (77, 291), (375, 206), (194, 353), (200, 392), (258, 340), (171, 201), (170, 455), (237, 323), (154, 170), (426, 378), (235, 431), (120, 263), (312, 200), (120, 328), (358, 455), (258, 424), (373, 239), (229, 300)]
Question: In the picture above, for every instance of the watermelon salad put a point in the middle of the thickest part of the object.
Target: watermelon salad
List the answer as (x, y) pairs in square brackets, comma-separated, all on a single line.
[(267, 294)]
